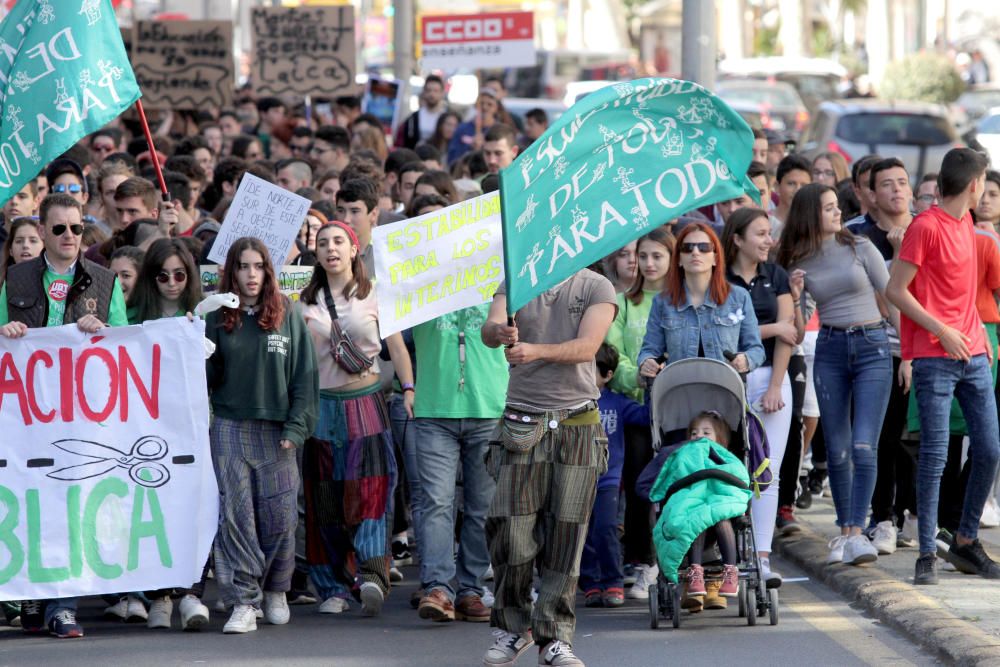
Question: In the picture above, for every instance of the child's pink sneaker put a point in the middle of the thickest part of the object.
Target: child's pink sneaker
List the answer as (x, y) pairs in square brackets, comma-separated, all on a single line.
[(730, 582), (696, 580)]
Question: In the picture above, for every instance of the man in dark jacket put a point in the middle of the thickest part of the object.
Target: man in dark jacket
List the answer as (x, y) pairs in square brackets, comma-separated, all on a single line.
[(59, 287), (420, 125)]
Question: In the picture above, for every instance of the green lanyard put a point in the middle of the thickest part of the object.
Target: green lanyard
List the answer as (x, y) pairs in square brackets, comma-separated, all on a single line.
[(461, 350)]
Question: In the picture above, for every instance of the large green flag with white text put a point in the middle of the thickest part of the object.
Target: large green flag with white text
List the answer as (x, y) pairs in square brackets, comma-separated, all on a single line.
[(63, 74), (621, 161)]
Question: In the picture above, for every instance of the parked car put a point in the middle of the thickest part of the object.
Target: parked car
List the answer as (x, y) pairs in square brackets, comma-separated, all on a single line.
[(917, 133), (778, 104), (979, 99), (988, 134), (817, 80)]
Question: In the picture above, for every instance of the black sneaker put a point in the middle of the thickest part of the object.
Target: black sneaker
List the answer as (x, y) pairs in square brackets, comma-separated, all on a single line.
[(64, 626), (972, 559), (926, 571), (401, 554), (816, 477), (805, 498), (33, 617), (943, 540)]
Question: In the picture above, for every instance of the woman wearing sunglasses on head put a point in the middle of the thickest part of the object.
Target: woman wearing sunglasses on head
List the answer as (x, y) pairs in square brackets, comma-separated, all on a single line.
[(699, 314)]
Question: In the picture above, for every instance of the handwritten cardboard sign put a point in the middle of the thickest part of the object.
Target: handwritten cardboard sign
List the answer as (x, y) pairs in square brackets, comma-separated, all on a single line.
[(302, 50), (184, 64), (437, 263), (264, 211), (111, 489)]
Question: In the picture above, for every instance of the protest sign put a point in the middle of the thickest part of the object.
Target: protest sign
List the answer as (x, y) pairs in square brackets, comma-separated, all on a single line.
[(303, 50), (437, 263), (106, 476), (623, 160), (384, 100), (264, 211), (503, 39), (63, 75), (291, 279), (184, 64)]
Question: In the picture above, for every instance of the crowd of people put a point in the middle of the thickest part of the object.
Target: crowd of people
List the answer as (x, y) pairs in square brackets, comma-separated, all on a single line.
[(856, 306)]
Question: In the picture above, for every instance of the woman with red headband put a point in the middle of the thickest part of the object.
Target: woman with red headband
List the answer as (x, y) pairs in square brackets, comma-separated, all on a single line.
[(349, 465)]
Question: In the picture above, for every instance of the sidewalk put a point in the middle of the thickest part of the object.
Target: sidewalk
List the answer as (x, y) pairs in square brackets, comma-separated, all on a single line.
[(959, 618)]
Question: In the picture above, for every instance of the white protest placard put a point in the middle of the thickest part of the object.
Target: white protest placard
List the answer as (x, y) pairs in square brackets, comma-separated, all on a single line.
[(291, 279), (437, 263), (106, 477), (264, 211)]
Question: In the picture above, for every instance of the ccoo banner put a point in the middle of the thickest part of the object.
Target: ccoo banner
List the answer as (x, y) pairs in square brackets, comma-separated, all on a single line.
[(106, 479)]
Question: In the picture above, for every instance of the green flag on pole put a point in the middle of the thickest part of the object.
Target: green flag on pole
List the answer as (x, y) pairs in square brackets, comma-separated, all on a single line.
[(620, 162), (64, 73)]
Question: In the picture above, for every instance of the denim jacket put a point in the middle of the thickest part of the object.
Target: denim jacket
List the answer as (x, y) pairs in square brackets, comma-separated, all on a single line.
[(731, 326)]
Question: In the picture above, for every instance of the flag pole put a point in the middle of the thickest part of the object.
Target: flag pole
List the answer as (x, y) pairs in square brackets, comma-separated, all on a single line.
[(152, 151)]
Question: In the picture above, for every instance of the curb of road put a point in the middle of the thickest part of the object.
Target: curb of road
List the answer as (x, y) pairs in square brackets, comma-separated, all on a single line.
[(895, 603)]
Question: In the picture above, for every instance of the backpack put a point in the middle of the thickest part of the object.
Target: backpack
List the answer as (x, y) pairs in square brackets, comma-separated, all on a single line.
[(758, 454)]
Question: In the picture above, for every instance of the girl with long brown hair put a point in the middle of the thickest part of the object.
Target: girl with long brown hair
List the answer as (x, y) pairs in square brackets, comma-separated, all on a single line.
[(263, 383), (349, 463)]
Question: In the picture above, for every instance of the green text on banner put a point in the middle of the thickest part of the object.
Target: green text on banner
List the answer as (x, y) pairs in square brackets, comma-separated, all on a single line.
[(63, 75), (623, 160), (437, 263), (106, 477)]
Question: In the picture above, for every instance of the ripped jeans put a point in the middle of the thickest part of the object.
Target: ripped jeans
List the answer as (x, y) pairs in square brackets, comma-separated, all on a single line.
[(852, 374)]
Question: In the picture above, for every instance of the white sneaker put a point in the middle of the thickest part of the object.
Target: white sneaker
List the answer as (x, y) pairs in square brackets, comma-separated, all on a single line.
[(395, 576), (242, 620), (117, 611), (507, 648), (334, 606), (858, 550), (135, 611), (193, 613), (160, 611), (275, 608), (908, 536), (559, 654), (488, 598), (645, 576), (836, 550), (771, 579), (884, 538), (991, 514), (371, 599)]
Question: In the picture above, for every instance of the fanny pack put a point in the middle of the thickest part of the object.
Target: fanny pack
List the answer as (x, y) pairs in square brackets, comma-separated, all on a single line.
[(344, 350), (520, 431)]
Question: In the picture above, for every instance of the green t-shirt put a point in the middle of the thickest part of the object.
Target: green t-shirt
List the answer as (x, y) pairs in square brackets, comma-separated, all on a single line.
[(57, 289), (440, 392)]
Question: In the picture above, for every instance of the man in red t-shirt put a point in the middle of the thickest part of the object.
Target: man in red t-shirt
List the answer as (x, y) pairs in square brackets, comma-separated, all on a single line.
[(933, 283)]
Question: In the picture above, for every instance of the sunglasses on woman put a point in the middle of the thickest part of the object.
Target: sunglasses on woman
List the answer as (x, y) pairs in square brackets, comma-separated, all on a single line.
[(703, 247), (59, 230), (178, 275)]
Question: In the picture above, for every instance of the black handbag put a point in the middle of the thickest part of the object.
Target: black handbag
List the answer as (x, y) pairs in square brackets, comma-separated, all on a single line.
[(344, 350)]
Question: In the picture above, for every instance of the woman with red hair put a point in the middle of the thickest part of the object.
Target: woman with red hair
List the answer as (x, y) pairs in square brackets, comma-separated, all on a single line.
[(699, 314)]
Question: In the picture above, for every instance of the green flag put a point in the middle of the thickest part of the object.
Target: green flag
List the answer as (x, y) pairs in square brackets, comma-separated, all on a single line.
[(620, 162), (63, 74)]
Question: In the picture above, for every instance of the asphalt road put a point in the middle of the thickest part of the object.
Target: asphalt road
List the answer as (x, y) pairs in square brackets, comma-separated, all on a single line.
[(816, 628)]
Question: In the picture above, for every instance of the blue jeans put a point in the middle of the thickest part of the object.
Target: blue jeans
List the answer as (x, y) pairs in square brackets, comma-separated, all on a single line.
[(935, 381), (404, 433), (853, 369), (601, 563), (442, 446)]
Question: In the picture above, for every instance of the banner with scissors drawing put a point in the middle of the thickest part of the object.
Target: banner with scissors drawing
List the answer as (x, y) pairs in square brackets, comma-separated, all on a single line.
[(106, 478)]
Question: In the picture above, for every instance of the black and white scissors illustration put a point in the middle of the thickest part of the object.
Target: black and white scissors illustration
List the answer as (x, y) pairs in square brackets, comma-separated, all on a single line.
[(142, 461)]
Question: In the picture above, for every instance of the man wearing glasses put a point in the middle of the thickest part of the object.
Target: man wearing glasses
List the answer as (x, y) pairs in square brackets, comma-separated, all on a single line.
[(59, 287), (331, 148)]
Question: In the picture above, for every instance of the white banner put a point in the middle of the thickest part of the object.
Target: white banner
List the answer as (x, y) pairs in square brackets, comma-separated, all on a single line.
[(437, 263), (106, 478), (264, 211)]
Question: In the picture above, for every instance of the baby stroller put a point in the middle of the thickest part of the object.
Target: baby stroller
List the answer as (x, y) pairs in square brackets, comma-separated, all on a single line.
[(679, 393)]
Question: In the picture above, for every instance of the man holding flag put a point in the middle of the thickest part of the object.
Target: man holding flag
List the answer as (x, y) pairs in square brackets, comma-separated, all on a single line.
[(68, 76), (627, 158)]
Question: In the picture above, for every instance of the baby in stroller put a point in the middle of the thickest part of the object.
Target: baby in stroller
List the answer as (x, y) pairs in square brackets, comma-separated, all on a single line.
[(701, 486)]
